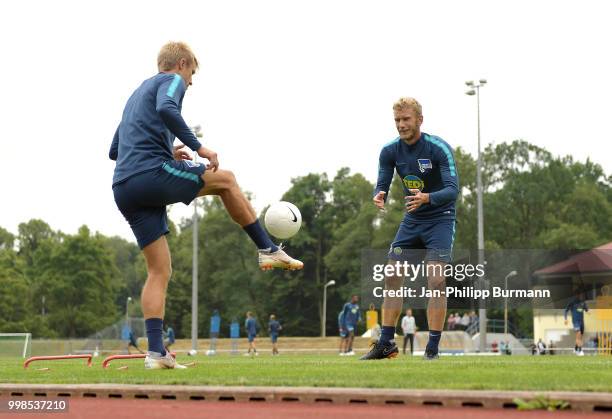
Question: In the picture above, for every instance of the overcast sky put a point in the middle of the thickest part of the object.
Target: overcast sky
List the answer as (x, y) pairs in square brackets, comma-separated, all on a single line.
[(288, 87)]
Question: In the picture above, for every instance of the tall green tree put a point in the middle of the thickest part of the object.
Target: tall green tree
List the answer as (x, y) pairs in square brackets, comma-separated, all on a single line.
[(79, 281), (31, 235), (7, 240), (15, 297)]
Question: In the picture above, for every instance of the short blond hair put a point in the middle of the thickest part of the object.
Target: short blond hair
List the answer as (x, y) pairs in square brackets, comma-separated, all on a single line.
[(408, 103), (171, 53)]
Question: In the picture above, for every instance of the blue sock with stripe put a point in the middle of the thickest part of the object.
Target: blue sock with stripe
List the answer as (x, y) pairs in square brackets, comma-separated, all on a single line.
[(154, 335), (387, 334), (434, 341), (260, 237)]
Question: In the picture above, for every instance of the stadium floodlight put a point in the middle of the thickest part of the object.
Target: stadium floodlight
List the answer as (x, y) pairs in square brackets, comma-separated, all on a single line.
[(510, 275), (197, 131), (482, 311), (469, 83), (324, 317)]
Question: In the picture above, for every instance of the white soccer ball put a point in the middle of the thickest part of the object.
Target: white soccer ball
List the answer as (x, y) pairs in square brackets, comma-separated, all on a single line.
[(283, 220), (192, 352)]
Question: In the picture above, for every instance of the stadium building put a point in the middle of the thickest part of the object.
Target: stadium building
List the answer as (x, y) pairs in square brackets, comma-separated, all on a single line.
[(587, 273)]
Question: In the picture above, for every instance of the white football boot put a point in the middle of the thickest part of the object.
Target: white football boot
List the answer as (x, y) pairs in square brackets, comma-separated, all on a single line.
[(278, 259), (167, 361)]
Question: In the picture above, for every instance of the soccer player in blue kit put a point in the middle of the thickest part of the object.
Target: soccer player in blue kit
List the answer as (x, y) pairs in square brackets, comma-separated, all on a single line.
[(274, 328), (577, 307), (151, 173), (426, 165), (250, 324), (351, 315)]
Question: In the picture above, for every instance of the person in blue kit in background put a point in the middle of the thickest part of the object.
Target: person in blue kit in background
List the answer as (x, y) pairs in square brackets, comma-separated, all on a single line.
[(427, 168), (577, 306), (250, 325), (128, 336), (234, 335), (343, 334), (274, 327), (215, 328), (350, 316), (170, 338), (151, 173)]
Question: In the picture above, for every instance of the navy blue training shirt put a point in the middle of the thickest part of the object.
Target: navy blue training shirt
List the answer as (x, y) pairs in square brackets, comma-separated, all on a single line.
[(351, 314), (274, 327), (427, 165), (577, 307), (150, 122), (251, 325)]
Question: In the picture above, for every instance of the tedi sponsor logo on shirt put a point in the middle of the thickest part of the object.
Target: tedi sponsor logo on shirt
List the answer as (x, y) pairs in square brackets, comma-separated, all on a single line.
[(414, 182)]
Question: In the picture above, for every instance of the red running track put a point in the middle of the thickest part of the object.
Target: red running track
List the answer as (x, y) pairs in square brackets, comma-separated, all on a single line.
[(173, 409)]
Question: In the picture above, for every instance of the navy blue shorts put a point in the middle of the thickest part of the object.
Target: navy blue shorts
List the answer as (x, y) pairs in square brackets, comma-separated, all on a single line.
[(579, 327), (274, 338), (436, 237), (142, 198), (251, 337)]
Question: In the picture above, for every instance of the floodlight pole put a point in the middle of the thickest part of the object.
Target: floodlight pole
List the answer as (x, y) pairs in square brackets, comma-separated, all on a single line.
[(482, 311), (324, 318), (127, 316), (510, 275), (197, 131)]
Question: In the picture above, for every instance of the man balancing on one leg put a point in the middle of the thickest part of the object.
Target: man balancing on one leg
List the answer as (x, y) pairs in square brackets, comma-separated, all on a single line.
[(427, 168), (151, 173)]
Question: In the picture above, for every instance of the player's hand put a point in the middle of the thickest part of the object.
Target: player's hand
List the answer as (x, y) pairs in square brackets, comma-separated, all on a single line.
[(565, 322), (415, 200), (211, 156), (179, 153), (379, 200)]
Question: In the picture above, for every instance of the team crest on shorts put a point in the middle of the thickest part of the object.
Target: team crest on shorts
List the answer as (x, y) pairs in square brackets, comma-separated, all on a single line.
[(424, 164), (397, 250)]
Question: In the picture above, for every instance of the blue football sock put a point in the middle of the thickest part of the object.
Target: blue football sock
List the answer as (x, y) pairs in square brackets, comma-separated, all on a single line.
[(154, 335), (387, 334), (434, 340), (260, 237)]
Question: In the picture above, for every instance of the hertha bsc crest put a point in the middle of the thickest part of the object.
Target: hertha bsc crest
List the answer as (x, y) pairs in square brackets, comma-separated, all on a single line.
[(424, 164)]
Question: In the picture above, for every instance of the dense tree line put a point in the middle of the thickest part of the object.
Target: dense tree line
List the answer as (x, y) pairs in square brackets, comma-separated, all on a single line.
[(58, 285)]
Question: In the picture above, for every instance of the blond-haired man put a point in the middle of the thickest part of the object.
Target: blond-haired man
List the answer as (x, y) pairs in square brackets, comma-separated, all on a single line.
[(152, 173), (426, 165)]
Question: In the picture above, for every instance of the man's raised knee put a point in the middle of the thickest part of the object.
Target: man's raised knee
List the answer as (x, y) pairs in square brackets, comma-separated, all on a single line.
[(230, 179)]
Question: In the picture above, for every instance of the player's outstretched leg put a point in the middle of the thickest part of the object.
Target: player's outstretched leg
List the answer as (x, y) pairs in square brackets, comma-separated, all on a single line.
[(391, 308), (223, 183), (153, 300)]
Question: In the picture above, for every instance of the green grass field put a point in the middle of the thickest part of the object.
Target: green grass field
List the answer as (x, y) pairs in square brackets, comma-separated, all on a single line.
[(567, 373)]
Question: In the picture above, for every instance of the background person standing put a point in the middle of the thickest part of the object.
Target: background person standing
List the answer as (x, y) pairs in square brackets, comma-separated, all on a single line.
[(409, 329)]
